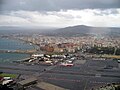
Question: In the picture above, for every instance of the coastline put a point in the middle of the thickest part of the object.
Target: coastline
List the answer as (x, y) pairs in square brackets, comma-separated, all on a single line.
[(14, 55)]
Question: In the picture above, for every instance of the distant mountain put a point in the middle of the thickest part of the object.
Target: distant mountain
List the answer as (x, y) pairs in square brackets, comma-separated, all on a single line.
[(24, 30), (81, 30), (73, 30)]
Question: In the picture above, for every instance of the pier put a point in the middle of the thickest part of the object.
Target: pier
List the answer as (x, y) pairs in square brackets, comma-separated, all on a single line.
[(18, 51)]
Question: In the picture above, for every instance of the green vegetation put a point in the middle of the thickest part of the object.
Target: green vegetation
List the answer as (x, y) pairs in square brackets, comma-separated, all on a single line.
[(104, 50), (8, 75), (107, 56), (112, 56)]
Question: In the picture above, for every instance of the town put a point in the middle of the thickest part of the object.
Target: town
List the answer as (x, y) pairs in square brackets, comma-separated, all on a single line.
[(59, 44), (55, 55)]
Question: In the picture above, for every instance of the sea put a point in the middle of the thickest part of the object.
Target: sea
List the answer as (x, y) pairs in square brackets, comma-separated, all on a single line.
[(10, 44)]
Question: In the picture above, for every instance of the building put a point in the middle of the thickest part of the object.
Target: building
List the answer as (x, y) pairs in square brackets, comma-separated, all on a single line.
[(23, 84)]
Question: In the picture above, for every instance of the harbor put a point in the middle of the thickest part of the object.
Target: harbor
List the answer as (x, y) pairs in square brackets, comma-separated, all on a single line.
[(15, 50)]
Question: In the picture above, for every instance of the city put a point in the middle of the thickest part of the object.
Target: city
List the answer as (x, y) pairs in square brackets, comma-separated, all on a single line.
[(58, 60), (59, 45)]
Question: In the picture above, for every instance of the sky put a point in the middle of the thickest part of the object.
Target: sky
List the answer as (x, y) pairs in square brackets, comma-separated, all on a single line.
[(60, 13)]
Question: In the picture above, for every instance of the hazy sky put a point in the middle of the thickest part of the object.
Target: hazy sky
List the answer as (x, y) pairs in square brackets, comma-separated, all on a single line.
[(60, 13)]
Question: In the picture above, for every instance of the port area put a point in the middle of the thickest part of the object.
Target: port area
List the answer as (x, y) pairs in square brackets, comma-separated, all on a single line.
[(47, 59), (62, 59)]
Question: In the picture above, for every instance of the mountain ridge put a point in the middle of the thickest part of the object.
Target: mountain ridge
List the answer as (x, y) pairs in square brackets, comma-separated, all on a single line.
[(79, 30)]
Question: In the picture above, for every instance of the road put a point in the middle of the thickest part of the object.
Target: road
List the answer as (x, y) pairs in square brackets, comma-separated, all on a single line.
[(84, 75)]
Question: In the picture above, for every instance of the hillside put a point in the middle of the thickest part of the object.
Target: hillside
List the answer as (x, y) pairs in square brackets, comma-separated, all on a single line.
[(81, 30)]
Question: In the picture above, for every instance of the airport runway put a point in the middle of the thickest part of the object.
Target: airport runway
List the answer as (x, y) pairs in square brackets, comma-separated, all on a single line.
[(81, 76)]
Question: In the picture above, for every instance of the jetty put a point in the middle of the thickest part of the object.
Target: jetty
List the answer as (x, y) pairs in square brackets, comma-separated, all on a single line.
[(18, 51)]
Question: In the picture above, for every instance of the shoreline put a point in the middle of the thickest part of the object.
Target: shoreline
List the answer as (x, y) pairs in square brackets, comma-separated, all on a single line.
[(12, 53)]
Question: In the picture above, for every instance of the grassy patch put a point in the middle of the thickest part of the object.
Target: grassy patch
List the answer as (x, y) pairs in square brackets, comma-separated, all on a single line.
[(112, 56), (8, 75), (108, 56)]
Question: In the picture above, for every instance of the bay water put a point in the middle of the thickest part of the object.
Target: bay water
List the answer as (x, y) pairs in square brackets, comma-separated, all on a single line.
[(10, 44)]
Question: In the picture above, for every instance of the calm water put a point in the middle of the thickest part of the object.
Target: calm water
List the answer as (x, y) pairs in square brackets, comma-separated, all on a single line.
[(14, 44), (9, 44), (9, 57)]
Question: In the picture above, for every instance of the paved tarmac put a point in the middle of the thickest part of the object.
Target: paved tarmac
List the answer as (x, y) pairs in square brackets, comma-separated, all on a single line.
[(84, 75)]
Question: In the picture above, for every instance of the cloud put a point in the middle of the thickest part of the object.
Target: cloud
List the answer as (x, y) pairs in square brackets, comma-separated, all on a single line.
[(56, 5), (63, 18), (22, 2), (6, 20)]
